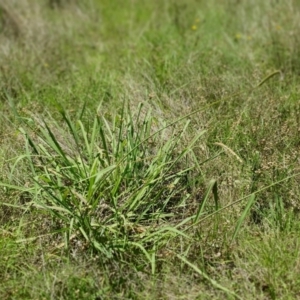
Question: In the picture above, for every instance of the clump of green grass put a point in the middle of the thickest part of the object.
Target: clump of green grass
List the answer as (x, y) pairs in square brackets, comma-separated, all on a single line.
[(111, 184)]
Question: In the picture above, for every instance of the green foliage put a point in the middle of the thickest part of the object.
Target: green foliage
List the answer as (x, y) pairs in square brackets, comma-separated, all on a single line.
[(111, 183), (118, 201)]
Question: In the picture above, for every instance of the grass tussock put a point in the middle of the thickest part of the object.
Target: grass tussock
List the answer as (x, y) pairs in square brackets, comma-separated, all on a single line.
[(149, 150)]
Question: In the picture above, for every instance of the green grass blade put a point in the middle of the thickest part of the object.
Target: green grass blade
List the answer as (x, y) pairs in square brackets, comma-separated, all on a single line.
[(204, 275), (243, 216), (199, 213)]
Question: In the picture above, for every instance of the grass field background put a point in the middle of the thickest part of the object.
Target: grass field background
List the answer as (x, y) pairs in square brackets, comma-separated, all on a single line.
[(149, 149)]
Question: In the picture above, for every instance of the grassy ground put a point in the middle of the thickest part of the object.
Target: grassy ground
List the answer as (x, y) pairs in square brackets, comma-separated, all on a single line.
[(149, 149)]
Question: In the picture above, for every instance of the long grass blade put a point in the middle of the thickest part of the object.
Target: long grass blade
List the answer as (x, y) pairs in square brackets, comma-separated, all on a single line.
[(204, 275), (204, 200), (243, 216)]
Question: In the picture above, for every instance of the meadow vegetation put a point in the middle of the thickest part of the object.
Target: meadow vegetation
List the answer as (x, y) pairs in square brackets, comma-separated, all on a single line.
[(149, 149)]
